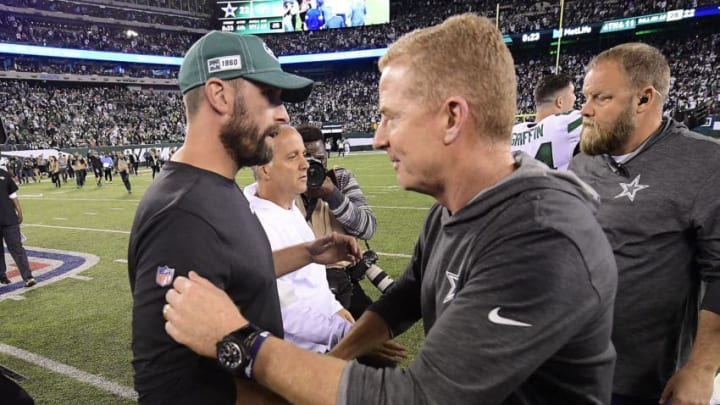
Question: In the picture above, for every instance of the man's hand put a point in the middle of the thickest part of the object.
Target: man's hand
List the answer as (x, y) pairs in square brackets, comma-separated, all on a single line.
[(390, 350), (334, 248), (323, 191), (689, 386), (346, 315), (199, 315)]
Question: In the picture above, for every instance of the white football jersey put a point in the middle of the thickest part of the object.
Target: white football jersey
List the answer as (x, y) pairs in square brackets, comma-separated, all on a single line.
[(552, 140)]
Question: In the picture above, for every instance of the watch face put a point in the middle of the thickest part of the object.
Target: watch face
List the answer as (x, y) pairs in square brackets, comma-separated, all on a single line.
[(230, 355)]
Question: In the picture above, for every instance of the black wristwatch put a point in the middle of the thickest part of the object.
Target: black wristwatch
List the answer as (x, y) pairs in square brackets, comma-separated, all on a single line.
[(236, 352)]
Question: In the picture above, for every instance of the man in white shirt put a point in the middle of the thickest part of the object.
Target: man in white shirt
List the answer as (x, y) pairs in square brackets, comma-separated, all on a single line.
[(553, 136), (312, 318)]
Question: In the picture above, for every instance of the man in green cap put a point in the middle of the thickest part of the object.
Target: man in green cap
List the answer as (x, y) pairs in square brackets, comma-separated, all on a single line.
[(195, 217)]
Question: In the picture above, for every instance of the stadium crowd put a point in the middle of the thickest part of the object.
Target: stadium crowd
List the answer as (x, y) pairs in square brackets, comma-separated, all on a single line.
[(43, 32), (406, 16), (165, 12), (412, 14), (40, 114), (82, 67)]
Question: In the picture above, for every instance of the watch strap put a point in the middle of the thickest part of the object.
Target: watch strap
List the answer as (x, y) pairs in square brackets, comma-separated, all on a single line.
[(257, 340)]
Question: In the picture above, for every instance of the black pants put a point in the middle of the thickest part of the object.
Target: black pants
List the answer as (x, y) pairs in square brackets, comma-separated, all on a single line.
[(98, 171), (80, 177), (55, 177), (125, 176), (12, 393), (11, 234)]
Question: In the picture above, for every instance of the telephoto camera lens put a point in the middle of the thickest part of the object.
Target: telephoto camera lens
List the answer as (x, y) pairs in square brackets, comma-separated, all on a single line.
[(379, 278)]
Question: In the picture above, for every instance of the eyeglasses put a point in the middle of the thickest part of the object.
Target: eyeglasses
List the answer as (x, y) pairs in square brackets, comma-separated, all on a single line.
[(615, 167)]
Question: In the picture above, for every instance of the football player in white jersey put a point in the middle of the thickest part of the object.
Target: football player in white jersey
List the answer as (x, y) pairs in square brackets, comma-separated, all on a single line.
[(553, 136)]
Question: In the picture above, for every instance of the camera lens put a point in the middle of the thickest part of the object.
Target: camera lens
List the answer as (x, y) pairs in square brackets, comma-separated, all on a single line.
[(315, 173), (379, 278)]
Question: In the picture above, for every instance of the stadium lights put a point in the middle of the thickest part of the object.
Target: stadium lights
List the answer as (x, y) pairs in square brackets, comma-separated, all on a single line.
[(32, 50)]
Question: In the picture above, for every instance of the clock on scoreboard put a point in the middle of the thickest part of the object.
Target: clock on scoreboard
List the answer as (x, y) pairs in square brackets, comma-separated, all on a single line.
[(252, 16)]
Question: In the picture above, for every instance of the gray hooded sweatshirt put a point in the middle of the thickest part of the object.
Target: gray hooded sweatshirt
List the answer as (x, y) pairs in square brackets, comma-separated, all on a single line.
[(515, 292), (661, 213)]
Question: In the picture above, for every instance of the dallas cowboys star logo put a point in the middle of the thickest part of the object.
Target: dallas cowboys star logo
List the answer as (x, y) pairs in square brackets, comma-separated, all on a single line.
[(452, 278), (229, 10), (630, 189)]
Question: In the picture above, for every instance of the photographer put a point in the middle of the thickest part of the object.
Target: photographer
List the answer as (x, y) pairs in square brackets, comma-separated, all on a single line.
[(335, 202)]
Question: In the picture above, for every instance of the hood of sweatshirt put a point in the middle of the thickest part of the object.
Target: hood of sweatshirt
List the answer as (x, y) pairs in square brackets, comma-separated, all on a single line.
[(529, 175)]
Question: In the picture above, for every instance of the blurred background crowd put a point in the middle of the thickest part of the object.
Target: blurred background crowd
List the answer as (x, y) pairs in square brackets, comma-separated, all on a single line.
[(41, 113)]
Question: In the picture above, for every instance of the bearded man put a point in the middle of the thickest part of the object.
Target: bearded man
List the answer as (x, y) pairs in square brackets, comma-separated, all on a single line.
[(660, 210), (195, 217)]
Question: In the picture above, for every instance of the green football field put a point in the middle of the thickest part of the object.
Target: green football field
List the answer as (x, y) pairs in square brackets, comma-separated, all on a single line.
[(71, 338)]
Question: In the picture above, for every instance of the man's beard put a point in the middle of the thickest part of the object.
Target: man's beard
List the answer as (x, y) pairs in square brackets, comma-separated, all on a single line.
[(597, 139), (243, 140)]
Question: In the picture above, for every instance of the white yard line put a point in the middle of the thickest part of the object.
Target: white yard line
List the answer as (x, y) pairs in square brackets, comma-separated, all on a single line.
[(119, 200), (137, 201), (128, 232), (400, 208), (70, 371), (394, 254), (77, 228)]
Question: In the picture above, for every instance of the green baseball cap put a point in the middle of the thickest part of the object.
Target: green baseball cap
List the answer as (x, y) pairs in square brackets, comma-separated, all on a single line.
[(228, 56)]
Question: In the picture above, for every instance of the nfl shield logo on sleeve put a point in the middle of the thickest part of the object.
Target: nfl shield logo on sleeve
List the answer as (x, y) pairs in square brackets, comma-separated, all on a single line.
[(164, 276)]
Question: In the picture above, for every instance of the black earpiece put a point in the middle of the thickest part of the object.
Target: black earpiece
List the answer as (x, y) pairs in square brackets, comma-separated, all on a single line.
[(643, 100)]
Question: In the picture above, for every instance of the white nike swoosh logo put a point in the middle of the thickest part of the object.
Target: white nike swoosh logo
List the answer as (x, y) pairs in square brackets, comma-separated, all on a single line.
[(495, 317)]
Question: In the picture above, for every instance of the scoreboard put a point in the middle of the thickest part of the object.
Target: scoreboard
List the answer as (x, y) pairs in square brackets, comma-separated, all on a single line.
[(251, 16)]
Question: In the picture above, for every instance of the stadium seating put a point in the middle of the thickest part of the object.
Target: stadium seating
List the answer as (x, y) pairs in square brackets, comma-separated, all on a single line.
[(36, 116), (41, 115)]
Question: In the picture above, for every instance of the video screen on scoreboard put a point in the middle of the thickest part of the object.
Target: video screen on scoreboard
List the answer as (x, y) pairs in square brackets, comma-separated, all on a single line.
[(272, 16)]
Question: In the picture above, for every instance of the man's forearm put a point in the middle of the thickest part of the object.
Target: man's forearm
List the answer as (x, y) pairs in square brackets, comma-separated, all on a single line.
[(367, 333), (358, 221), (693, 383), (18, 209), (300, 376), (290, 259), (351, 209), (705, 354), (250, 392)]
